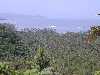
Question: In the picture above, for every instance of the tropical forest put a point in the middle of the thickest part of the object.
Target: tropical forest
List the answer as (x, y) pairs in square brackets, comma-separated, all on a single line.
[(47, 52)]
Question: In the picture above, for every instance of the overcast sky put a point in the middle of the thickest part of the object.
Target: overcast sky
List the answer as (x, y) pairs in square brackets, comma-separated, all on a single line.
[(74, 9)]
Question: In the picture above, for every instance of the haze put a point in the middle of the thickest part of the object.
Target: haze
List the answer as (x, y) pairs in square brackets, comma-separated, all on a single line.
[(70, 9)]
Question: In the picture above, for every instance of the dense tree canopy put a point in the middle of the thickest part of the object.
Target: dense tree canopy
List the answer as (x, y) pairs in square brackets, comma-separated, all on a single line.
[(46, 52)]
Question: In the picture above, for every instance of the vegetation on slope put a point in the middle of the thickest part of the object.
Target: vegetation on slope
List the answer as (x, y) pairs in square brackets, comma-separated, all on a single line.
[(46, 52)]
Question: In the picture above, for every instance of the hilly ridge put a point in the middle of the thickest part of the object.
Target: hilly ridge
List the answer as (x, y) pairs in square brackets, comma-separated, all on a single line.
[(37, 21)]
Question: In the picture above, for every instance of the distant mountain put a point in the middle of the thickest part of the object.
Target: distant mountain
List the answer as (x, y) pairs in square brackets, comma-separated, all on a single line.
[(37, 21), (3, 18)]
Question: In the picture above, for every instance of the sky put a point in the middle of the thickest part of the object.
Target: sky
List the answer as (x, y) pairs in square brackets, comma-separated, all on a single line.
[(69, 9)]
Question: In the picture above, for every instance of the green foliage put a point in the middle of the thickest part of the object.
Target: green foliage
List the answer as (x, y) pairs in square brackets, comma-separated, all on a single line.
[(46, 52), (97, 73), (41, 59)]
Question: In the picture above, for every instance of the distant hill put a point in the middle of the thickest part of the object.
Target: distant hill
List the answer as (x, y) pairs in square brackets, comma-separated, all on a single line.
[(37, 21)]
